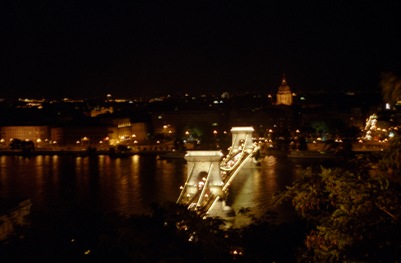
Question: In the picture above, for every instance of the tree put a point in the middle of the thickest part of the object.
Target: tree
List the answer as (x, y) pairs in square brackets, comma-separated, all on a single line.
[(353, 212), (391, 87)]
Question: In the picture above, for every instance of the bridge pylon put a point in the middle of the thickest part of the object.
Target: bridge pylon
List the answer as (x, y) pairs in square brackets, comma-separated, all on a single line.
[(204, 182), (242, 138)]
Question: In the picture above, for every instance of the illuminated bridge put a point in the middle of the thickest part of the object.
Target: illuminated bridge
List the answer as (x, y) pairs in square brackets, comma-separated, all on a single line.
[(210, 174)]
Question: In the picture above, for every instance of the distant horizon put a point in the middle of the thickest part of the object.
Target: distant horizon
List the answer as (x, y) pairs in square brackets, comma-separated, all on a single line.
[(182, 94)]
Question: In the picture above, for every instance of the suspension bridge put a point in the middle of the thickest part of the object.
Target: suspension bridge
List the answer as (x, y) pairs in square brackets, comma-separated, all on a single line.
[(210, 174)]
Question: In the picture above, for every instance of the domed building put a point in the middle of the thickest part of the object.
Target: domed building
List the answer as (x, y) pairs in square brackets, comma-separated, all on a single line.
[(284, 94)]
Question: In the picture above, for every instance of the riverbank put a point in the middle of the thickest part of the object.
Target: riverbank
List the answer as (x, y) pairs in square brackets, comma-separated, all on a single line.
[(83, 152)]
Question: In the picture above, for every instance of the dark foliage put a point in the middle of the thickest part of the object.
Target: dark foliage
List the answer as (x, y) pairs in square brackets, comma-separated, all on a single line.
[(353, 210)]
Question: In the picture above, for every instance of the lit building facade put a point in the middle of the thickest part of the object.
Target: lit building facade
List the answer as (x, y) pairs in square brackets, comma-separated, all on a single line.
[(37, 134), (96, 134), (123, 131), (82, 136), (284, 94)]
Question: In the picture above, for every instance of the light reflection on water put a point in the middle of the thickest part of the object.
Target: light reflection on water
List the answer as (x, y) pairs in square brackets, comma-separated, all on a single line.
[(126, 185), (254, 187)]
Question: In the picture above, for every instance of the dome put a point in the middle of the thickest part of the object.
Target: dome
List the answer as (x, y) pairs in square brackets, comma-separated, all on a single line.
[(284, 88), (284, 95)]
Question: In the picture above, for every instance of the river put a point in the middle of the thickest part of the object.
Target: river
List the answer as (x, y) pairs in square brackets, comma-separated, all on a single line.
[(128, 185)]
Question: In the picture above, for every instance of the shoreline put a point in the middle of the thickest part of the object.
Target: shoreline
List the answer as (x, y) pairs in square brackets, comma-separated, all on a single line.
[(77, 152)]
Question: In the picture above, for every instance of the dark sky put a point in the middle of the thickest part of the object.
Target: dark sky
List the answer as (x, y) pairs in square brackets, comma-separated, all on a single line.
[(68, 48)]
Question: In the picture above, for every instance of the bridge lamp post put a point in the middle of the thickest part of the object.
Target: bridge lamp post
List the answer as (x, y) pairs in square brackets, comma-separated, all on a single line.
[(215, 138), (270, 137), (186, 136)]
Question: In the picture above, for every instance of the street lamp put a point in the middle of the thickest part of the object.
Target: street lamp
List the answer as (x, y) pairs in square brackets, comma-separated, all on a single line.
[(215, 138), (38, 141)]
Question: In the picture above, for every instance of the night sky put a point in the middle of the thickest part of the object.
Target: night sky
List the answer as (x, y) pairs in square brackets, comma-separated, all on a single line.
[(67, 48)]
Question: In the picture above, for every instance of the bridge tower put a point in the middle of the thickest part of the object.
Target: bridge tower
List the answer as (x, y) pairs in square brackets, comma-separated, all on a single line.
[(204, 163), (204, 180), (242, 137)]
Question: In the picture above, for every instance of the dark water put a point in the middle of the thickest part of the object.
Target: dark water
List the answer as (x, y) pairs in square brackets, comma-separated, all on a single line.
[(127, 185)]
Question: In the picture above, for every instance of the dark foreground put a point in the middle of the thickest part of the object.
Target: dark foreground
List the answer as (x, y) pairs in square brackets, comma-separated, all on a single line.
[(169, 234)]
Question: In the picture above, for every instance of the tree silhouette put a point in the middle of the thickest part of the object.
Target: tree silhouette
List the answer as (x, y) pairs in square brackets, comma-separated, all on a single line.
[(391, 87), (354, 212)]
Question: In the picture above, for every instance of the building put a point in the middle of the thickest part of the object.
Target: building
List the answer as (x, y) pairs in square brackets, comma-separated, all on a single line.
[(124, 131), (284, 94), (34, 133)]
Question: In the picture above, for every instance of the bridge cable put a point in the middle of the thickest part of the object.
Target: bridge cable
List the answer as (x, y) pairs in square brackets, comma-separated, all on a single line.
[(205, 185), (186, 183)]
